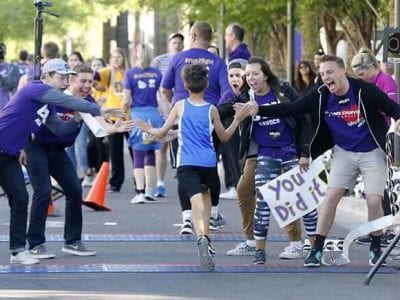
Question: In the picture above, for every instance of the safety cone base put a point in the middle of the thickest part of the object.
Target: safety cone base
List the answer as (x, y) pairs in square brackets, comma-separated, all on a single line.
[(96, 206), (97, 194)]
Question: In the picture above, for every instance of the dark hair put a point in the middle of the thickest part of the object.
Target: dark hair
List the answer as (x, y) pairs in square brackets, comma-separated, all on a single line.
[(82, 68), (301, 85), (335, 59), (23, 55), (100, 60), (195, 77), (238, 31), (272, 79), (78, 54), (51, 50)]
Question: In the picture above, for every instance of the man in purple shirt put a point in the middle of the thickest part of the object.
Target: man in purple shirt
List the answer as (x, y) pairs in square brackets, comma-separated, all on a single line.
[(199, 38), (348, 120), (22, 117), (234, 35)]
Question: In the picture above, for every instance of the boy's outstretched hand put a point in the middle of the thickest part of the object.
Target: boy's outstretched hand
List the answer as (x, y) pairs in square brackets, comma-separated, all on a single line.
[(144, 126), (243, 111), (123, 126), (250, 106)]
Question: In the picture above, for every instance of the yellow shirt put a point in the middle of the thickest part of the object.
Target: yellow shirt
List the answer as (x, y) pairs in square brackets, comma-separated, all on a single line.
[(114, 86)]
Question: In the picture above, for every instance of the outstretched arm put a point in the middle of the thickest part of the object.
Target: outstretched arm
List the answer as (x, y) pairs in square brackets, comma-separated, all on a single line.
[(225, 134), (163, 131)]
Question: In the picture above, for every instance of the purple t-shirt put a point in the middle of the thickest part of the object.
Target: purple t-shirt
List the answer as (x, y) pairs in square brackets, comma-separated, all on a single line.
[(217, 77), (46, 136), (143, 84), (273, 135), (240, 52), (347, 124), (23, 116)]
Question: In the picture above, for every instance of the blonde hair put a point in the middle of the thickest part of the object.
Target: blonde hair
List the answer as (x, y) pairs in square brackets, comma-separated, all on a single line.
[(363, 60), (144, 56)]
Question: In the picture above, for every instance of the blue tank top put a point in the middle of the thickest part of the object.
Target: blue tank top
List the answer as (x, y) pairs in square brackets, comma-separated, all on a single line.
[(195, 136)]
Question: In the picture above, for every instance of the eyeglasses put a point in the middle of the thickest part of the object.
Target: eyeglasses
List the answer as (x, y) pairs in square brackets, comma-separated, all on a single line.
[(303, 67)]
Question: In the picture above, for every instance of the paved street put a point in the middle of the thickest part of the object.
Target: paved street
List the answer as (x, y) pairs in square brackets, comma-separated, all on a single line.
[(141, 256)]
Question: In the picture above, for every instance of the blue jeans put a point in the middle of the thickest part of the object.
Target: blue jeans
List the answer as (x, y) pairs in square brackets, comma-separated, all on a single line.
[(13, 184), (78, 152), (43, 161)]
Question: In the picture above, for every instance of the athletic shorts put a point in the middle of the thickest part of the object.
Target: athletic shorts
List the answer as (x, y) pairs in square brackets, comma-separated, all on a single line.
[(347, 165), (194, 180)]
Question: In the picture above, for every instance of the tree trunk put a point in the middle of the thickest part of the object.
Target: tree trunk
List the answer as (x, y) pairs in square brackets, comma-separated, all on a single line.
[(160, 33), (278, 50), (137, 39), (330, 33), (106, 40), (310, 32), (121, 32)]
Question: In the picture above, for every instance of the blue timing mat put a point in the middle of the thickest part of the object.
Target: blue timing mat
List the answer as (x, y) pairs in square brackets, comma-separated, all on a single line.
[(186, 268), (152, 238)]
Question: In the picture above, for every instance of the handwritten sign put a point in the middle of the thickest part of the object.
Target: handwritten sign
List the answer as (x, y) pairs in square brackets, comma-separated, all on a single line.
[(294, 194)]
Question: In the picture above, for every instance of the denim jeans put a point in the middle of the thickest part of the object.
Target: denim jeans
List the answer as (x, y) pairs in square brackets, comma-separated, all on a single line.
[(13, 184), (45, 160), (78, 152)]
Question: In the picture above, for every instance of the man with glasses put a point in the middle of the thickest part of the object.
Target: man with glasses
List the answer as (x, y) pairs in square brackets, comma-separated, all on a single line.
[(234, 35)]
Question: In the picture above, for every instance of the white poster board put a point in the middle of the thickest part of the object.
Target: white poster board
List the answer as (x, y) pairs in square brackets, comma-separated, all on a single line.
[(94, 126), (294, 193)]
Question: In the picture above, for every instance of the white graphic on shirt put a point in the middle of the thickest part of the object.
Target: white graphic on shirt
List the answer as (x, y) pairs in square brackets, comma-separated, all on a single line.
[(141, 84), (42, 113), (152, 83)]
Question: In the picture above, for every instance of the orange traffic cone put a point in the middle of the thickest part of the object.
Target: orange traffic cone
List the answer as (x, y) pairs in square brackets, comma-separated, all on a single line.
[(51, 210), (95, 198)]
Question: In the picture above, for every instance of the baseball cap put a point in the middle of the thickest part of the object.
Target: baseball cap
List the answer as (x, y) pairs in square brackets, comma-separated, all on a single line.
[(238, 63), (174, 35), (57, 65)]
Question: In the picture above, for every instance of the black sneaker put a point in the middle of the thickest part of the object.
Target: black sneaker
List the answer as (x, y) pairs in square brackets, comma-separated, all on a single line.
[(374, 255), (77, 248), (363, 240), (313, 259), (387, 239), (260, 257)]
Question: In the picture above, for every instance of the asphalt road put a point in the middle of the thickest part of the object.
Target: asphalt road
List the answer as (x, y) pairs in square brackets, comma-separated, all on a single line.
[(141, 256)]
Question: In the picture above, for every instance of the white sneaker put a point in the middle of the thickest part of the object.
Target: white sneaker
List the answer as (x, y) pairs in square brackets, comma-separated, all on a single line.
[(187, 227), (138, 199), (230, 194), (24, 258), (242, 249), (292, 252)]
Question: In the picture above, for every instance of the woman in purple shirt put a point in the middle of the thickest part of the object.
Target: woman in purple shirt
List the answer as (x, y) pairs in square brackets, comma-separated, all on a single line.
[(277, 144), (140, 96)]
